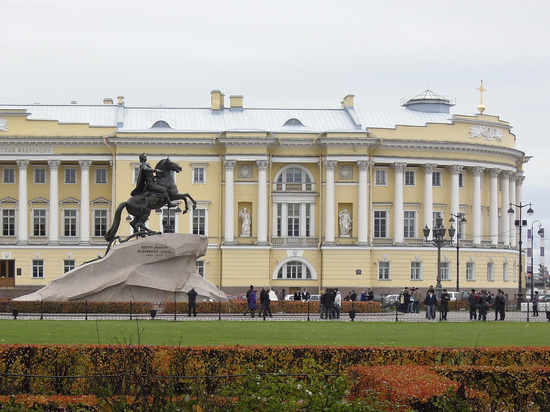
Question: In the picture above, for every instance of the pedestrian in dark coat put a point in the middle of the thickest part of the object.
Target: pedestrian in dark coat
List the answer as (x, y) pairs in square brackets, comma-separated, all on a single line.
[(248, 292), (252, 305), (328, 302), (430, 301), (192, 302), (445, 298)]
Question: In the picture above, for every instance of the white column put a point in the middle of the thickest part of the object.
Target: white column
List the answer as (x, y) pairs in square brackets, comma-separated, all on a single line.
[(229, 217), (330, 165), (428, 195), (493, 206), (455, 199), (363, 211), (53, 228), (261, 222), (85, 201), (398, 214), (476, 205), (22, 228), (511, 226), (504, 205)]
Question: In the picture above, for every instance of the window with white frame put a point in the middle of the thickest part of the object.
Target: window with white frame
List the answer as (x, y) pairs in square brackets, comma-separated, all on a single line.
[(380, 223), (436, 215), (38, 268), (39, 222), (470, 271), (409, 224), (168, 220), (135, 174), (461, 179), (39, 175), (445, 270), (8, 175), (410, 178), (8, 222), (384, 271), (69, 222), (101, 176), (70, 175), (380, 177), (199, 221), (490, 272), (200, 267), (68, 265), (294, 179), (436, 179), (416, 270), (293, 219), (294, 269), (505, 272), (100, 222), (199, 174)]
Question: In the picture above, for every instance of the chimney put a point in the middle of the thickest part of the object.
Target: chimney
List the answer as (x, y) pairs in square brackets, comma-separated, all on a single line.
[(107, 100), (217, 98), (236, 103), (348, 101), (120, 100)]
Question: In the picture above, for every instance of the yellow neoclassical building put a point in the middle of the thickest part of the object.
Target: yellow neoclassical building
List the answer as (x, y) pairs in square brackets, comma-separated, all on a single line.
[(289, 198)]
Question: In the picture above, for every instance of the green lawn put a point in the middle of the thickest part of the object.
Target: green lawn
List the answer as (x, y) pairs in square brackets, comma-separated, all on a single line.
[(199, 333)]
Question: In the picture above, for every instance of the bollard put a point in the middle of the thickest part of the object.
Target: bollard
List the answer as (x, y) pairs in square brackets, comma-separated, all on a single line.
[(42, 309)]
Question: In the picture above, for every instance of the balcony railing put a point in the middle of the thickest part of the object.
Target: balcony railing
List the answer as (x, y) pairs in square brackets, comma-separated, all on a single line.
[(294, 241), (69, 240), (38, 240), (8, 240)]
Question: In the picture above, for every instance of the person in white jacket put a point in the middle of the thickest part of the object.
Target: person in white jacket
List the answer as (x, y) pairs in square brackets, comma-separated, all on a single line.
[(337, 305)]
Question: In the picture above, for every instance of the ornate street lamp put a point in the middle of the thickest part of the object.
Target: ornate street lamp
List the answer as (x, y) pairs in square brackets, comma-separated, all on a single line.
[(520, 223), (438, 241), (460, 219), (541, 234)]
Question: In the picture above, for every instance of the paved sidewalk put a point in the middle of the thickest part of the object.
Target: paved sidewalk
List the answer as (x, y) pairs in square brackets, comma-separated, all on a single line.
[(460, 316)]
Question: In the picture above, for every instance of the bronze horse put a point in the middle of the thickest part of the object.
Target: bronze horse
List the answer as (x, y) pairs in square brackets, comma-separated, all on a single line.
[(140, 205)]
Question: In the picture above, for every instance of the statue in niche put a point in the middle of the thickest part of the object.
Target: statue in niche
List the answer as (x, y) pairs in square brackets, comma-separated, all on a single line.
[(345, 222), (245, 222)]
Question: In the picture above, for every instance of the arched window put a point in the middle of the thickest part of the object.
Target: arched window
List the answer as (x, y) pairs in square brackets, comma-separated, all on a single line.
[(161, 124), (293, 122), (295, 269), (294, 178)]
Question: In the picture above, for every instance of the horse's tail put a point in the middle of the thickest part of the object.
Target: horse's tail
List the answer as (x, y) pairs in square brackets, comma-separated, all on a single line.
[(110, 235)]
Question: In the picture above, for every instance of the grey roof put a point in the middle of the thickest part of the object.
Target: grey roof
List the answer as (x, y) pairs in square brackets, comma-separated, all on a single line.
[(141, 119)]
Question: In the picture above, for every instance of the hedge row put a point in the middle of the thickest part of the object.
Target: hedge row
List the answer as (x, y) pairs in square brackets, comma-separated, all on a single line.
[(168, 307)]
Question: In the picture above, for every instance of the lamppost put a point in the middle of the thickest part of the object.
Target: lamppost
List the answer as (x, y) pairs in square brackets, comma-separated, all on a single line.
[(460, 219), (520, 223), (541, 234), (438, 241), (170, 228)]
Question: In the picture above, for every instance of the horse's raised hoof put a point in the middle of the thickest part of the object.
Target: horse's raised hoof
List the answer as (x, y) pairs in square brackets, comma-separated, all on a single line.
[(194, 205), (184, 211)]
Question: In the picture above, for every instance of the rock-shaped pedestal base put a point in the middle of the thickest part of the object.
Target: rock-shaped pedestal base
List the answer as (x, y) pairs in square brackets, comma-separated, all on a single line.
[(152, 269)]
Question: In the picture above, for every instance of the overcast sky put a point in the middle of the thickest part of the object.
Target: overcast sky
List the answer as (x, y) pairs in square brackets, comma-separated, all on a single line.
[(289, 53)]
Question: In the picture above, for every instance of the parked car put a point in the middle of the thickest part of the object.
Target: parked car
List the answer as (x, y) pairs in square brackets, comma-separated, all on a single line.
[(315, 298), (378, 297), (289, 297), (454, 296), (390, 300)]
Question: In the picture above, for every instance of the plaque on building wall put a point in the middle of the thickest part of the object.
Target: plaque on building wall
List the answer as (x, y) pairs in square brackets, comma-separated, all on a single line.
[(345, 172), (245, 171), (488, 133)]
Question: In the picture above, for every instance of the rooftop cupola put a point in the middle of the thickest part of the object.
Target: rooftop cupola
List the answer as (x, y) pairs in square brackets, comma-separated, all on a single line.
[(429, 102)]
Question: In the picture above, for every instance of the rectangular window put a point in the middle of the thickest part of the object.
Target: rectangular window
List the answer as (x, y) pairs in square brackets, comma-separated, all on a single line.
[(445, 270), (101, 176), (505, 272), (69, 220), (416, 270), (39, 176), (39, 222), (380, 177), (68, 264), (380, 222), (199, 174), (293, 219), (135, 175), (436, 215), (410, 178), (200, 267), (410, 224), (70, 175), (8, 175), (279, 219), (461, 180), (37, 268), (169, 221), (308, 219), (384, 271), (100, 222), (490, 272), (470, 271), (199, 221), (8, 222), (436, 179)]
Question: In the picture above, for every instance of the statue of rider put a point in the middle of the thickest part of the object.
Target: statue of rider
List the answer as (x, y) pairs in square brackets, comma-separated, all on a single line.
[(147, 182)]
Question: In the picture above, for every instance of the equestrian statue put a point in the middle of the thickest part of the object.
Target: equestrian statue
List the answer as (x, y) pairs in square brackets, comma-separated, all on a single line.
[(155, 188)]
